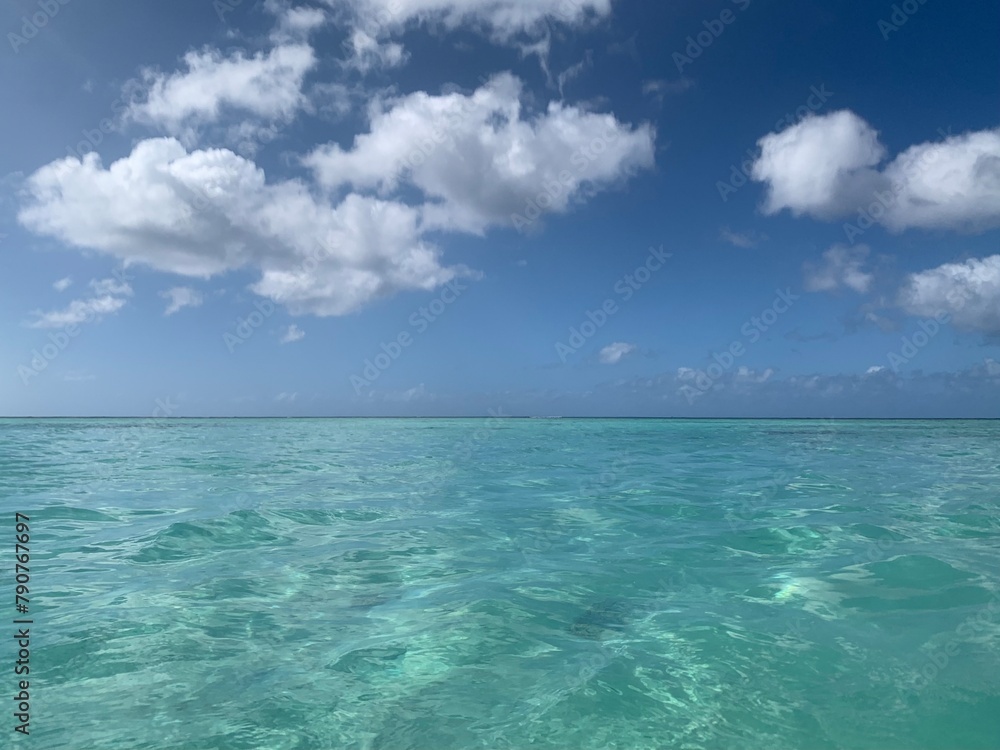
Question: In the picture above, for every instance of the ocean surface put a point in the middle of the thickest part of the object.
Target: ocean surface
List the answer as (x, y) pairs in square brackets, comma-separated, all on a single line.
[(499, 583)]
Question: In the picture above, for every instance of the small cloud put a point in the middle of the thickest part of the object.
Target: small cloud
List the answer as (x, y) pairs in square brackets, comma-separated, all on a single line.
[(659, 89), (522, 263), (628, 48), (63, 284), (741, 239), (575, 70), (874, 370), (332, 100), (111, 286), (368, 53), (842, 266), (294, 333), (111, 294), (181, 297), (748, 374), (286, 397), (612, 354)]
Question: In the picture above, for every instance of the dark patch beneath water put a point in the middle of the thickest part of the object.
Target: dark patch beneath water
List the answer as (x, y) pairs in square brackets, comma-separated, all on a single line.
[(602, 619)]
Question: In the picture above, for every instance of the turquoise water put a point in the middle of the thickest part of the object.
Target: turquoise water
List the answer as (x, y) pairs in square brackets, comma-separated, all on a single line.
[(451, 584)]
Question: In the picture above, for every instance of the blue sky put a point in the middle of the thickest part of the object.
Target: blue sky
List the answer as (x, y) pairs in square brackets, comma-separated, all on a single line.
[(464, 207)]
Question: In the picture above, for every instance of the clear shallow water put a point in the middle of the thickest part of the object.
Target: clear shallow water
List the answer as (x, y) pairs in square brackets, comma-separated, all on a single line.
[(452, 584)]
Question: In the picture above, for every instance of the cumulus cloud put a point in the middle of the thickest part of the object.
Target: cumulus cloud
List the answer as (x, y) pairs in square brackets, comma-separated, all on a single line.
[(292, 334), (452, 162), (612, 354), (202, 213), (954, 184), (969, 293), (109, 296), (818, 165), (842, 266), (63, 284), (828, 166), (267, 86), (180, 297), (479, 160)]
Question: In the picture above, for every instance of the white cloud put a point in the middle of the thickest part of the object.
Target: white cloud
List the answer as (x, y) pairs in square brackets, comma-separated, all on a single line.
[(112, 286), (818, 165), (181, 297), (573, 71), (969, 293), (286, 397), (372, 23), (479, 160), (109, 298), (63, 284), (828, 166), (741, 239), (659, 89), (612, 354), (954, 184), (267, 86), (475, 160), (502, 18), (292, 334), (294, 22), (750, 375), (367, 52), (202, 213), (333, 100), (842, 266)]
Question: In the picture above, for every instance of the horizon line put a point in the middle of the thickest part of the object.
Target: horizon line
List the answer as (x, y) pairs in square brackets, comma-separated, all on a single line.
[(519, 416)]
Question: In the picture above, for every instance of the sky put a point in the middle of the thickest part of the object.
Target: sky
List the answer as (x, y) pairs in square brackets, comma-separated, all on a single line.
[(723, 208)]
